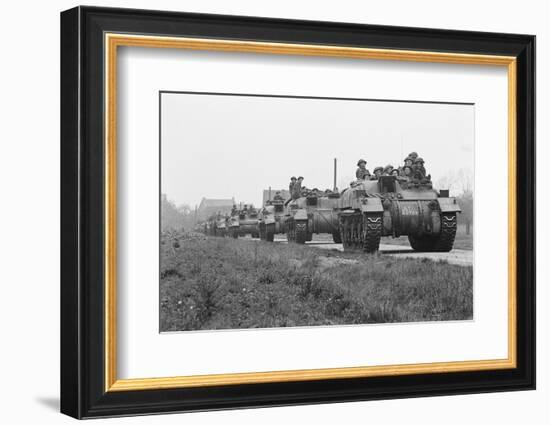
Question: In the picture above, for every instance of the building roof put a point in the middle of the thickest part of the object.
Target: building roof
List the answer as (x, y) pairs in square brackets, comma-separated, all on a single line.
[(208, 203)]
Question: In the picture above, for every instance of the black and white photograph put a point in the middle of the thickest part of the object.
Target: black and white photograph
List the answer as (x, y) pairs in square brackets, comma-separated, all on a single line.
[(289, 211)]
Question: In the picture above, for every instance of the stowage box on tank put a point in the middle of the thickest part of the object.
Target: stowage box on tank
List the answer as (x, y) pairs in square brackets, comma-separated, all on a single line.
[(375, 208)]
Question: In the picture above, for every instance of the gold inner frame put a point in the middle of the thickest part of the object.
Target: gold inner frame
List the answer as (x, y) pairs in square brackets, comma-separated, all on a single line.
[(113, 41)]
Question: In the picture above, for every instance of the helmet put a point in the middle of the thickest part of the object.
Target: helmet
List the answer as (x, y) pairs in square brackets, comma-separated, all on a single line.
[(361, 161)]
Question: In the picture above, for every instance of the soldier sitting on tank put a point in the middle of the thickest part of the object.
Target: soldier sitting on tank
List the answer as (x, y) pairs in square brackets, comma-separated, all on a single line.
[(297, 188), (395, 172), (407, 176), (419, 165), (408, 161), (377, 173), (413, 155), (362, 173), (387, 170), (291, 184)]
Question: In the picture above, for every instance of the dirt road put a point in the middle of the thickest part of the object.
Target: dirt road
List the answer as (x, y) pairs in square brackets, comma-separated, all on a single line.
[(460, 257)]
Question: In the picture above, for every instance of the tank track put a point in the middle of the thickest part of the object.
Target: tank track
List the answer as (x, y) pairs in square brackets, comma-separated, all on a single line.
[(446, 239), (372, 232), (269, 233), (300, 232), (361, 231), (443, 242), (262, 232), (296, 232)]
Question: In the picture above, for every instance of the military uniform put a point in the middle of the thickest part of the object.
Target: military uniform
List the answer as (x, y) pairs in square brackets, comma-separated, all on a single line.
[(375, 176), (419, 166), (362, 173), (291, 184), (297, 189)]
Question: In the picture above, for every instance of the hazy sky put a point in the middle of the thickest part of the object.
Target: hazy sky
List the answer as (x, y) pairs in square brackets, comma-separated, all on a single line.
[(235, 146)]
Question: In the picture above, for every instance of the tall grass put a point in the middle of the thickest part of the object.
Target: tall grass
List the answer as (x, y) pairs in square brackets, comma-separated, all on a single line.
[(215, 283)]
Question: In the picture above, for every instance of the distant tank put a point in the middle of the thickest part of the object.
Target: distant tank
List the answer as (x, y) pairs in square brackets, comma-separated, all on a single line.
[(313, 213), (243, 221), (210, 225), (271, 219), (220, 225), (371, 209)]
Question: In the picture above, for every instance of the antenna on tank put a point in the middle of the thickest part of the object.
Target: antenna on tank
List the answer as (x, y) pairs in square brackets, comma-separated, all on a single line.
[(335, 169)]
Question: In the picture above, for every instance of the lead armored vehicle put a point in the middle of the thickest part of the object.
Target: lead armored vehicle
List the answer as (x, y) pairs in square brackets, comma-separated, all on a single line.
[(313, 213), (243, 221), (271, 219), (388, 207)]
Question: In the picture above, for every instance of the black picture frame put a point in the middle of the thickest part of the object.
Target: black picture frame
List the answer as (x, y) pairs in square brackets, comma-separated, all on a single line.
[(82, 206)]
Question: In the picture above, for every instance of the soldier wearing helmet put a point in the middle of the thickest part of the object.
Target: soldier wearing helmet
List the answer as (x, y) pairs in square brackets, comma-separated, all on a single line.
[(407, 176), (292, 182), (387, 170), (362, 173), (297, 188), (408, 161), (419, 166), (377, 173)]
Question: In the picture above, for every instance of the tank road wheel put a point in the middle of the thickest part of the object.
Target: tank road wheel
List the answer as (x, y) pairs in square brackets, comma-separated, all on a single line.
[(300, 229), (423, 243), (372, 231), (443, 242)]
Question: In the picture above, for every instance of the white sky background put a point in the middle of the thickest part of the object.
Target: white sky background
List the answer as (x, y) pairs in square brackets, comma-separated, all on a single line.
[(235, 146)]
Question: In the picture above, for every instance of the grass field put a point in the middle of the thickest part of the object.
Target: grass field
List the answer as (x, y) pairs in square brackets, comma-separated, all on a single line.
[(216, 283)]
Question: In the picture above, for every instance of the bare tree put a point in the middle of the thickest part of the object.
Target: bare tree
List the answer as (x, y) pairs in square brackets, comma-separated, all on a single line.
[(461, 184)]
